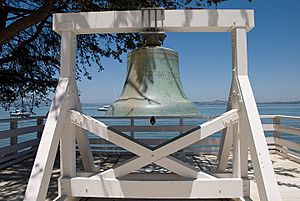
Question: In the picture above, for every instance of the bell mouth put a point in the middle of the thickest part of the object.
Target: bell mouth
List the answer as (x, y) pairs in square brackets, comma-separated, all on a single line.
[(128, 108)]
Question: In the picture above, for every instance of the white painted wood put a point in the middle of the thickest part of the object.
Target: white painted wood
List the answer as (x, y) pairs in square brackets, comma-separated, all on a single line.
[(268, 127), (176, 189), (68, 55), (68, 151), (240, 67), (268, 116), (264, 174), (148, 156), (66, 198), (236, 165), (104, 184), (101, 130), (288, 117), (41, 170), (68, 68), (241, 51), (175, 21), (226, 143), (223, 175), (67, 137), (224, 149), (206, 129), (270, 140), (178, 167), (82, 139)]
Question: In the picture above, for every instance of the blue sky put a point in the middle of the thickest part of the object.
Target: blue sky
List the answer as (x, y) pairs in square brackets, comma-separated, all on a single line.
[(205, 58)]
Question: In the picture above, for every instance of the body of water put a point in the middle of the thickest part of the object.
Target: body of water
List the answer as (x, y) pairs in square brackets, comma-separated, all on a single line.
[(205, 110)]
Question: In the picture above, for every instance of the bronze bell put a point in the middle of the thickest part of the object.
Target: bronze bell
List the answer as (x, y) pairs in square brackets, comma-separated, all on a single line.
[(153, 86)]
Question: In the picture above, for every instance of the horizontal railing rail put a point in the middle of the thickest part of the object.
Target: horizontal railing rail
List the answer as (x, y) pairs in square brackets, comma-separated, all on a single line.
[(19, 137), (285, 139)]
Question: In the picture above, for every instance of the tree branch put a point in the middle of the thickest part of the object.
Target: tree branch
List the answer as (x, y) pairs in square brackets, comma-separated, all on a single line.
[(39, 15), (16, 10), (23, 43)]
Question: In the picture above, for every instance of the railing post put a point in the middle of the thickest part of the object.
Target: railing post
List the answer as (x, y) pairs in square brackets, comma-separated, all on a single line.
[(14, 139), (131, 124), (39, 123), (276, 122), (180, 124), (276, 135)]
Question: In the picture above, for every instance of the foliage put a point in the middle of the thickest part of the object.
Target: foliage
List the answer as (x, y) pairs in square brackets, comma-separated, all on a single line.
[(30, 50)]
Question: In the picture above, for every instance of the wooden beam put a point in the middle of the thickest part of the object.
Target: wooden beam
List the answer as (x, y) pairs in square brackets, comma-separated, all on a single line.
[(41, 171), (198, 20), (161, 189)]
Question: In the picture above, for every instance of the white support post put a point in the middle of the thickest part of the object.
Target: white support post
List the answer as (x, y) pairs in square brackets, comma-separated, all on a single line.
[(72, 132), (236, 164), (240, 67), (263, 170), (224, 149), (41, 171), (84, 146), (244, 143), (227, 137), (68, 68), (67, 141)]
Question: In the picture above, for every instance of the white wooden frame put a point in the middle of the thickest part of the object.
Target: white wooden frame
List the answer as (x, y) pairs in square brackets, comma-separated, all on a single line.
[(241, 123)]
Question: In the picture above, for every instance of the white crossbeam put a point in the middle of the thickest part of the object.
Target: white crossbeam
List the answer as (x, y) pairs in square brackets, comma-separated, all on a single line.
[(146, 154), (175, 21), (160, 189)]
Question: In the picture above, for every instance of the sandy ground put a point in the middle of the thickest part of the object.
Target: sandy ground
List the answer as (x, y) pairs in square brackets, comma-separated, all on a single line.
[(13, 180)]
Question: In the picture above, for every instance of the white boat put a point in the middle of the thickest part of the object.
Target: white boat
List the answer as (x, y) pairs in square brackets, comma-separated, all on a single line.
[(20, 113), (104, 108)]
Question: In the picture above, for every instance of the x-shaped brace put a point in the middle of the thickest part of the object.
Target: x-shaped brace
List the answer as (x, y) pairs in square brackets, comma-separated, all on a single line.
[(160, 154)]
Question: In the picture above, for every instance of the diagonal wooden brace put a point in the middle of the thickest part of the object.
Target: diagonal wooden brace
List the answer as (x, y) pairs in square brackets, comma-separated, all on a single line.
[(160, 153), (43, 164)]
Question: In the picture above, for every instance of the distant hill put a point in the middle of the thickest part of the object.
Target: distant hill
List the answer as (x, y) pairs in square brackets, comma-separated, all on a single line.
[(280, 102), (215, 102), (220, 102)]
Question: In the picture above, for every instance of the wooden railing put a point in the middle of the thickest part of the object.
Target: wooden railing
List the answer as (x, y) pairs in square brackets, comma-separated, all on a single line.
[(285, 140), (19, 138), (164, 129)]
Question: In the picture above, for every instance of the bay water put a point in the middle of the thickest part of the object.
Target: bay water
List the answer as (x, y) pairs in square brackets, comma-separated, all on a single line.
[(208, 110)]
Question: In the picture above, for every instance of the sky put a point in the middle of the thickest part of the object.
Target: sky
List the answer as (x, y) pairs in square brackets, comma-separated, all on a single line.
[(205, 58)]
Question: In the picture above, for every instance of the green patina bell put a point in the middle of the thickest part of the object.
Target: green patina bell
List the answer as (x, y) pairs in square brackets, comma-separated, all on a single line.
[(153, 86)]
